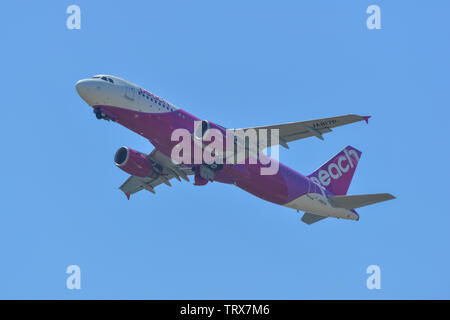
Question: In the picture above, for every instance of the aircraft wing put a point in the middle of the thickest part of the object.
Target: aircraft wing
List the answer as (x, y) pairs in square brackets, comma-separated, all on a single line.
[(163, 171), (292, 131)]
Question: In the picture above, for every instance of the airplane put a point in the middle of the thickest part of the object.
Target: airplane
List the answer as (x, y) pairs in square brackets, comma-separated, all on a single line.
[(319, 195)]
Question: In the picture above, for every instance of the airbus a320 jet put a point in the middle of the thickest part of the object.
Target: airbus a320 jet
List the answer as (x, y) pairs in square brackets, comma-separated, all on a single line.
[(320, 194)]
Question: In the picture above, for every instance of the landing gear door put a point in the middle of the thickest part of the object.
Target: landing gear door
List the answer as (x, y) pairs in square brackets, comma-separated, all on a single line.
[(130, 93)]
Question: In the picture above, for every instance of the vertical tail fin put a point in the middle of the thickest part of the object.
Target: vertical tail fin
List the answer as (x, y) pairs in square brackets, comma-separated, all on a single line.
[(336, 175)]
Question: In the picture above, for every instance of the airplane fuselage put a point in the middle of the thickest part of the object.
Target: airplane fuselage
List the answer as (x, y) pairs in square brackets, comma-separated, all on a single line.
[(155, 119)]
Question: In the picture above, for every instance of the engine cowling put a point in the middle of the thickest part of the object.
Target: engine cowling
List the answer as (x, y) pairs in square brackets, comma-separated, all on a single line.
[(200, 129), (133, 162)]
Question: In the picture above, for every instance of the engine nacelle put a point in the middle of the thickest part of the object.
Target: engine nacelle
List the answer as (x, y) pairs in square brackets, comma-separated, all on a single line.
[(200, 129), (133, 162)]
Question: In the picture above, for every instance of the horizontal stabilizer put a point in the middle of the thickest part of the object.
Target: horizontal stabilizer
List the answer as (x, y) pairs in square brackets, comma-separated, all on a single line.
[(310, 218), (353, 202)]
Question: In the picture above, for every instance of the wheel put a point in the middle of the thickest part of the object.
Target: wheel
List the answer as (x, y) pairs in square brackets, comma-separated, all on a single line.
[(216, 167), (98, 113)]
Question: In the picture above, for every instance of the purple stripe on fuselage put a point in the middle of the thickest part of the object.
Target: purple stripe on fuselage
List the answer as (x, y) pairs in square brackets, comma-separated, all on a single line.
[(280, 188)]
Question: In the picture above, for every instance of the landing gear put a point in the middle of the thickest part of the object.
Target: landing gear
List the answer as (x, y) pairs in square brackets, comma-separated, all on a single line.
[(215, 167), (100, 115), (208, 172)]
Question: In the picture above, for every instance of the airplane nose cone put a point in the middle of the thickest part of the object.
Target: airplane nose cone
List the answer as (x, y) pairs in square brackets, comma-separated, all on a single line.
[(82, 87), (85, 89)]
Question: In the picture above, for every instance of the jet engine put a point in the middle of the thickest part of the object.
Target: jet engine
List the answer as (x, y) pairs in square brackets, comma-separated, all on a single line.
[(200, 129), (133, 162)]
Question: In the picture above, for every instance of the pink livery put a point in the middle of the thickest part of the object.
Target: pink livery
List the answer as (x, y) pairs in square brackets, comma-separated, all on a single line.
[(321, 194)]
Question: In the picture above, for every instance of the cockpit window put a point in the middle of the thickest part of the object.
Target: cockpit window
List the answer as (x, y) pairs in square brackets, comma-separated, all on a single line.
[(104, 78)]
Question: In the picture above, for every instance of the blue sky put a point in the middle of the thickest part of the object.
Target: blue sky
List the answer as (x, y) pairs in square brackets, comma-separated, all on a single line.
[(238, 64)]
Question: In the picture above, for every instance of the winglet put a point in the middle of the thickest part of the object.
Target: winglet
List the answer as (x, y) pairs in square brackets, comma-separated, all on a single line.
[(366, 118), (128, 195)]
